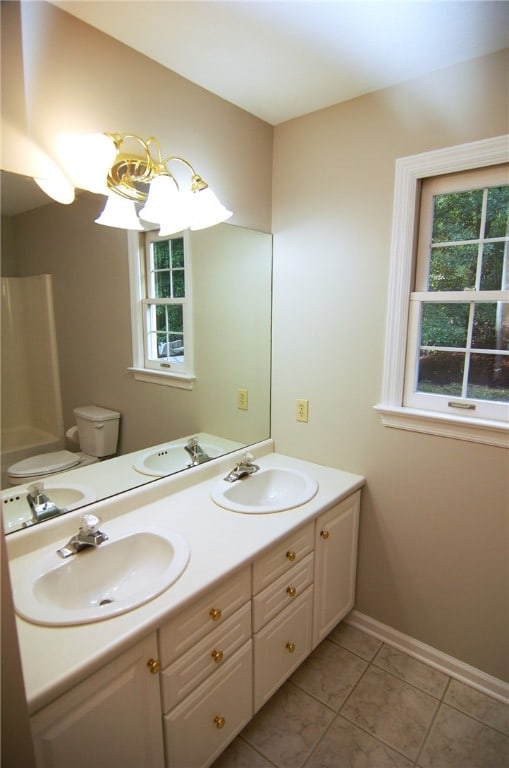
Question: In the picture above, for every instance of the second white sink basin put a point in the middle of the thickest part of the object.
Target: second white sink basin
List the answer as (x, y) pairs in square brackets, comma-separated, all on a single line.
[(273, 489), (16, 509), (100, 582), (165, 459)]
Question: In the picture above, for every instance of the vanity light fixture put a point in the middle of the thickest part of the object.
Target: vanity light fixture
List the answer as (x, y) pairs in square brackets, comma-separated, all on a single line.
[(140, 186)]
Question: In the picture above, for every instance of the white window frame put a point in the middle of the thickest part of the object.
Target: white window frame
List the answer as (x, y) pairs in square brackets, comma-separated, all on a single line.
[(176, 378), (409, 172)]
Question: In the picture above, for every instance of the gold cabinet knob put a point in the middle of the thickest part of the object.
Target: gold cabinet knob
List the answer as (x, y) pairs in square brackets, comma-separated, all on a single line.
[(154, 666), (324, 534), (291, 556), (215, 614), (219, 721), (217, 656), (292, 591), (290, 647)]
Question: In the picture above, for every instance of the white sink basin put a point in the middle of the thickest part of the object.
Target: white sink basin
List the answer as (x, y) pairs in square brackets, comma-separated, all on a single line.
[(16, 510), (101, 582), (165, 459), (273, 489)]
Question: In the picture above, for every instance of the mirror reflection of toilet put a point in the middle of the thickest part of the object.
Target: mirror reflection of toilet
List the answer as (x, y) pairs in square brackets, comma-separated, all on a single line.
[(97, 433)]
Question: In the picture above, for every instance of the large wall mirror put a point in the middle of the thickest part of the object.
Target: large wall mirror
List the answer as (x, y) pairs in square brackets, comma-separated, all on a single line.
[(78, 272)]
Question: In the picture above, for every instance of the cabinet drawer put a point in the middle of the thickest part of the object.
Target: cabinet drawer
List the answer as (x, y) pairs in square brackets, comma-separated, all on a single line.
[(274, 659), (201, 726), (284, 591), (207, 657), (281, 557), (203, 615)]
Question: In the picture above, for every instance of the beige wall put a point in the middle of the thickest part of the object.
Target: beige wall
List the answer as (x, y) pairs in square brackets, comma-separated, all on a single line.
[(16, 746), (232, 301), (433, 559)]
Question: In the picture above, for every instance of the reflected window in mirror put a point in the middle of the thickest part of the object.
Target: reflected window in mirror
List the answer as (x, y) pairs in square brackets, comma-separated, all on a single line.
[(161, 308)]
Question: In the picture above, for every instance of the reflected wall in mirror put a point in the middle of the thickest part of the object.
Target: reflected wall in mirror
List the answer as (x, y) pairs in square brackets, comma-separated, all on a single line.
[(86, 302)]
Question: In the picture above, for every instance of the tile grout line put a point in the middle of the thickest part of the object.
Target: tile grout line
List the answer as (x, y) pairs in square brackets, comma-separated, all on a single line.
[(432, 723), (438, 699), (338, 713), (255, 749), (365, 730)]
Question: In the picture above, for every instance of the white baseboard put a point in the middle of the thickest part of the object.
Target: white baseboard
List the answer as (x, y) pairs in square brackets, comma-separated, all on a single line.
[(479, 680)]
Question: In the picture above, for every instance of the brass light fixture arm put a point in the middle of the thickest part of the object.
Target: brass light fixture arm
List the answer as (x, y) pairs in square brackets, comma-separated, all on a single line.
[(130, 173), (197, 182)]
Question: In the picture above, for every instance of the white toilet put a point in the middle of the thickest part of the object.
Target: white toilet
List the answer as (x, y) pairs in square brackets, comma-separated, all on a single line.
[(97, 429)]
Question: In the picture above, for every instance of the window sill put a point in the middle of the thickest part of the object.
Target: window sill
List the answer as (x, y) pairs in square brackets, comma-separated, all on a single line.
[(459, 428), (178, 380)]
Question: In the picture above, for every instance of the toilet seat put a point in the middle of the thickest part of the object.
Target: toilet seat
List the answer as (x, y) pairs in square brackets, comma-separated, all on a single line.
[(44, 464)]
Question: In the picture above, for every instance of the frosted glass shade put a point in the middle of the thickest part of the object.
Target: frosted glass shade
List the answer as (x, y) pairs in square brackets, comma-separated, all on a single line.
[(119, 213), (206, 210), (87, 159), (57, 187), (162, 197), (178, 216)]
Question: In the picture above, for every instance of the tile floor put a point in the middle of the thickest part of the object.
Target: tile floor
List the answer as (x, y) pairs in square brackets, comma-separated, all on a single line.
[(359, 703)]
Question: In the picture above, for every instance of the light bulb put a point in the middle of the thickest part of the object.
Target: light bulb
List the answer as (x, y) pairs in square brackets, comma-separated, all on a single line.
[(87, 159), (57, 187), (178, 217)]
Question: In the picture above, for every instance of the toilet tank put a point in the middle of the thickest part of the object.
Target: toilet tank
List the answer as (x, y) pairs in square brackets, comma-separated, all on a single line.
[(97, 429)]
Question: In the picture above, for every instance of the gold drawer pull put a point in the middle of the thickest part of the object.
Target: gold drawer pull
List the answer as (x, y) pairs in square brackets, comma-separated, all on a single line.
[(219, 721), (215, 614), (290, 647), (217, 656), (154, 665), (292, 591), (291, 556), (324, 534)]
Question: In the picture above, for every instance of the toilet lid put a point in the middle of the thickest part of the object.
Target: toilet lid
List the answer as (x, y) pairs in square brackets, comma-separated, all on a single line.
[(44, 464)]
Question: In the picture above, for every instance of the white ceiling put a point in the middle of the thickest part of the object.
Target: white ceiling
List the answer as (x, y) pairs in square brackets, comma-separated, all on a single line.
[(280, 60)]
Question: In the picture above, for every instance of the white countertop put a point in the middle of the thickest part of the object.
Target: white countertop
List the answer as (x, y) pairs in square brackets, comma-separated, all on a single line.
[(55, 658)]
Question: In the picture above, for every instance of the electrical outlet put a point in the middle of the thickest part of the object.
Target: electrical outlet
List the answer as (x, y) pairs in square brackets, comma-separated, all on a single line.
[(242, 399), (302, 410)]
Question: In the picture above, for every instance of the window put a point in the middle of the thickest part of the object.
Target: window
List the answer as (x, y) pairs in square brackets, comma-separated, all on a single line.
[(458, 339), (161, 309), (447, 349)]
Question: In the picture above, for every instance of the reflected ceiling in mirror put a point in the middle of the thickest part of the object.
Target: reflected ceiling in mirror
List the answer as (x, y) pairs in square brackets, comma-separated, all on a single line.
[(89, 359)]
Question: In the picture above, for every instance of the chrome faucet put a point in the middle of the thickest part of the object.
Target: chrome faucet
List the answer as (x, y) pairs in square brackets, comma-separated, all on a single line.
[(196, 452), (88, 535), (244, 468), (41, 506)]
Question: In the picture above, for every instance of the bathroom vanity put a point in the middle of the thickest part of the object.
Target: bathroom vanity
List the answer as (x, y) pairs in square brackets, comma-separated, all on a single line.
[(171, 682)]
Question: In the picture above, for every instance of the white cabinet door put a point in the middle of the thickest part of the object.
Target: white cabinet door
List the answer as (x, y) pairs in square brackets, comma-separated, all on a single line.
[(336, 534), (110, 720)]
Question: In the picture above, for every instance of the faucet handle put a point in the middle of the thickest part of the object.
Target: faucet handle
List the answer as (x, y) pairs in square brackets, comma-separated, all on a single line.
[(35, 489), (89, 523), (248, 458)]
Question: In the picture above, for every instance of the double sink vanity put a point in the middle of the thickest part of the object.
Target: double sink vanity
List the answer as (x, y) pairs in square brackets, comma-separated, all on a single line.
[(157, 646)]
